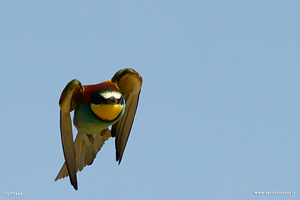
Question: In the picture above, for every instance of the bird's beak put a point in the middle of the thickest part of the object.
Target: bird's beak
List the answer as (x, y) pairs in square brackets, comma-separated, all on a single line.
[(112, 100)]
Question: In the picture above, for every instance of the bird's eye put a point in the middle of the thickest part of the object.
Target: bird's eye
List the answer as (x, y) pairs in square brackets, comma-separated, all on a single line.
[(120, 100)]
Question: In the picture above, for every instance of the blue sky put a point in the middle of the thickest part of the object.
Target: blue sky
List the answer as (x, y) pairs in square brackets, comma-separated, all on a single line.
[(219, 111)]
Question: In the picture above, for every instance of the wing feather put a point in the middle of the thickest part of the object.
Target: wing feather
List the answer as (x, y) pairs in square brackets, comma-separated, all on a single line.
[(85, 151), (69, 100), (129, 83)]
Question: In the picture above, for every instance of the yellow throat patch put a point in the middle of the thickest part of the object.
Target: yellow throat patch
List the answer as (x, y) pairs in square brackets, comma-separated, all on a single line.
[(107, 112)]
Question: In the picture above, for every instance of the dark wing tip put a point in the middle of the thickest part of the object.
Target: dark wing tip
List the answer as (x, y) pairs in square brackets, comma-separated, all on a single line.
[(75, 186), (68, 146), (118, 157)]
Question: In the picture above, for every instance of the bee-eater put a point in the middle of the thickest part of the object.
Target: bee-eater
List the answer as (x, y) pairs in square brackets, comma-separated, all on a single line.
[(113, 102)]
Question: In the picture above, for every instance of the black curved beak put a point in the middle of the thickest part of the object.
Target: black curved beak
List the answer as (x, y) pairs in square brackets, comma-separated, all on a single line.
[(112, 100)]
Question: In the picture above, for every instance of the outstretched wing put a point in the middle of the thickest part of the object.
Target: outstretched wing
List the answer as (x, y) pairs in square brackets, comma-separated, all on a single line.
[(71, 97), (85, 153), (129, 83)]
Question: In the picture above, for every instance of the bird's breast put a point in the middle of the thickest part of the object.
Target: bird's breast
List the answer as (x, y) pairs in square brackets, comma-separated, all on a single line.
[(85, 121), (107, 112)]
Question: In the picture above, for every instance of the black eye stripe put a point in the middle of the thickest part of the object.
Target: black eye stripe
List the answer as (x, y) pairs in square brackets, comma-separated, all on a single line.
[(98, 98)]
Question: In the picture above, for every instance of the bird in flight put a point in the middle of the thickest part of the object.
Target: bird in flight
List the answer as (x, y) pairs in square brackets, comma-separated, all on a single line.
[(96, 107)]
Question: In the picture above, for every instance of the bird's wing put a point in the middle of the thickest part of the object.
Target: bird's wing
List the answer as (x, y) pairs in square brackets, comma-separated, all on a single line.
[(71, 97), (129, 83), (86, 151)]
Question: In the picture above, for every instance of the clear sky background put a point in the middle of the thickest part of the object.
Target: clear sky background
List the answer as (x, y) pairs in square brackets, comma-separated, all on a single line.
[(219, 110)]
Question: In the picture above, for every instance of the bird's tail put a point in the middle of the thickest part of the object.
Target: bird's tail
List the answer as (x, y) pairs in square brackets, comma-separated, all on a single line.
[(86, 149)]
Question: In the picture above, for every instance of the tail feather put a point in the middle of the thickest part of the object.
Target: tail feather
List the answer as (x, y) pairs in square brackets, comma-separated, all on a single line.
[(85, 151)]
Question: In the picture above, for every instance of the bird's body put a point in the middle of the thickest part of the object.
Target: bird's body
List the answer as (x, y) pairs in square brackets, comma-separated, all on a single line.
[(96, 107), (86, 121)]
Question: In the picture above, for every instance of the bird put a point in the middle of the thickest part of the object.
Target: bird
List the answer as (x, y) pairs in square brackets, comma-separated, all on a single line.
[(96, 107)]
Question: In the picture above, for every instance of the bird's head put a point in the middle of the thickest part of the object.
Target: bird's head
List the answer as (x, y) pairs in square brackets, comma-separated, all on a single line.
[(107, 102)]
